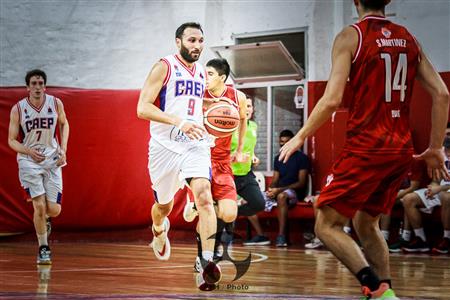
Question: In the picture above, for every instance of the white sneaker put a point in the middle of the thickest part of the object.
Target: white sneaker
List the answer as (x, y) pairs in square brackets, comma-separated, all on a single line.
[(160, 243), (315, 243), (189, 212), (198, 265)]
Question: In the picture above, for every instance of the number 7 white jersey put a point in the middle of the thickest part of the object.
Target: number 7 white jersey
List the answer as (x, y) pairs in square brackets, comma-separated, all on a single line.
[(38, 130), (181, 95)]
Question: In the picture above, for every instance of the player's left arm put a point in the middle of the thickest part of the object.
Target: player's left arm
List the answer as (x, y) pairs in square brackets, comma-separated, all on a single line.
[(239, 156), (63, 131), (344, 46)]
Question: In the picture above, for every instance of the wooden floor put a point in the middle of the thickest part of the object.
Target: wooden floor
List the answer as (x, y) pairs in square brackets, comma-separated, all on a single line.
[(130, 271)]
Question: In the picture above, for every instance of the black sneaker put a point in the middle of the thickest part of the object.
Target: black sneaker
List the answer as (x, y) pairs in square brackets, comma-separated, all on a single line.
[(44, 256), (416, 245), (397, 246), (281, 241), (257, 240), (48, 223)]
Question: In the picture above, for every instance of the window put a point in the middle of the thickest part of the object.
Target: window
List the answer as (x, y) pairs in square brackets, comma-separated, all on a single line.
[(268, 67), (294, 43)]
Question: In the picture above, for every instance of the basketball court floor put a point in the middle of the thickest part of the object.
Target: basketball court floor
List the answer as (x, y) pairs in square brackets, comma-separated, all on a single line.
[(129, 270)]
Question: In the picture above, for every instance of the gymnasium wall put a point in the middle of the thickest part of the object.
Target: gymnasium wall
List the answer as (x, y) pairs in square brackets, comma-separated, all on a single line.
[(113, 44), (106, 181)]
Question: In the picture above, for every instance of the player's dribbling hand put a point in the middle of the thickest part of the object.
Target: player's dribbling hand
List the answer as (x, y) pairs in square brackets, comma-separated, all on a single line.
[(61, 158), (435, 161), (290, 147), (192, 130), (36, 155)]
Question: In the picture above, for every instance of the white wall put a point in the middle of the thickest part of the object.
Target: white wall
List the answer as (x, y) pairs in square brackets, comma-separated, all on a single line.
[(113, 44)]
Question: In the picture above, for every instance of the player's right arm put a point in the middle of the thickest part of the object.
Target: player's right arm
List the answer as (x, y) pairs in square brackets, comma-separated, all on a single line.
[(13, 133), (148, 111), (433, 83)]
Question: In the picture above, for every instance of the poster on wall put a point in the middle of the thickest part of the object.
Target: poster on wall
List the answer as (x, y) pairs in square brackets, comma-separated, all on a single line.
[(301, 95)]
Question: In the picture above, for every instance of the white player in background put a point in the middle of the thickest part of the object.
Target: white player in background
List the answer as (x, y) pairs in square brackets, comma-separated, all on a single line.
[(39, 155)]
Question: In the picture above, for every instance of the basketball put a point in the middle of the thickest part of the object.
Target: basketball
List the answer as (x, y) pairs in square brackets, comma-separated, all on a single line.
[(221, 119)]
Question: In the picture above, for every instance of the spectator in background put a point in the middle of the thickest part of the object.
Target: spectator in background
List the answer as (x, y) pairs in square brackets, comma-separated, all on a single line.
[(416, 179), (246, 185), (424, 200), (289, 184), (443, 246)]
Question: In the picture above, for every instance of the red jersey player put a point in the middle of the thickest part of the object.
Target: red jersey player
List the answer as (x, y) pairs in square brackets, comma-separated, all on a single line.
[(381, 59), (222, 180)]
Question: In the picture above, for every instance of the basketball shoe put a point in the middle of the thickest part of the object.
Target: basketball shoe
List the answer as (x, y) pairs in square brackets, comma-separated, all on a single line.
[(44, 256), (383, 293), (416, 245), (209, 274), (443, 247), (190, 212), (160, 243)]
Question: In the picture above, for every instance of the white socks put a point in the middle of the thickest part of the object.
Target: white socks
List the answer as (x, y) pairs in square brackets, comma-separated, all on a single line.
[(347, 229), (420, 233), (385, 234), (447, 234), (42, 239), (207, 255), (406, 235)]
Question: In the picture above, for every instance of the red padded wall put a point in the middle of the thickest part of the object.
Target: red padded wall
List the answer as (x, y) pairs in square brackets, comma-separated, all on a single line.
[(328, 141), (106, 181)]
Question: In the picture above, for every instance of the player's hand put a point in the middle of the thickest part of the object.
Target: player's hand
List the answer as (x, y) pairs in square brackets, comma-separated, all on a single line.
[(255, 161), (273, 192), (239, 157), (35, 155), (435, 160), (432, 190), (61, 158), (290, 147), (192, 130)]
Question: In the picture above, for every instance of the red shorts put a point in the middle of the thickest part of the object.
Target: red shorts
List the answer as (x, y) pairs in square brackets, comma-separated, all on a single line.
[(222, 182), (364, 181)]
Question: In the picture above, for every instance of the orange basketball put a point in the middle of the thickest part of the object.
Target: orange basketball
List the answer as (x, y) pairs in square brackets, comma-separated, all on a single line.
[(221, 119)]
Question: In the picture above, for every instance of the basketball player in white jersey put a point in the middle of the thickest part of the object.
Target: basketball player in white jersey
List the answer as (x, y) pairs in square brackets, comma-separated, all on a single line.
[(172, 99), (39, 155)]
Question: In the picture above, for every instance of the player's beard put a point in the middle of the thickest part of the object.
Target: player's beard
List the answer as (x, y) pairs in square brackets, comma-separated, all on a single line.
[(184, 52)]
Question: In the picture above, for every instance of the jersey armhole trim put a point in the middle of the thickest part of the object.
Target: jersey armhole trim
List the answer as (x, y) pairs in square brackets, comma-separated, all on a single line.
[(169, 71), (55, 101), (358, 49), (419, 48), (20, 113)]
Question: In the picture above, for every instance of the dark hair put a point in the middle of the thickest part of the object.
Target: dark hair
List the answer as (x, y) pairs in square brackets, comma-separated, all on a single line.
[(374, 4), (220, 65), (252, 117), (35, 72), (286, 133), (180, 30)]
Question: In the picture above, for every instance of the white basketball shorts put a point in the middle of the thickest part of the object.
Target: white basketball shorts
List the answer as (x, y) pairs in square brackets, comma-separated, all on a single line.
[(169, 170), (40, 181)]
